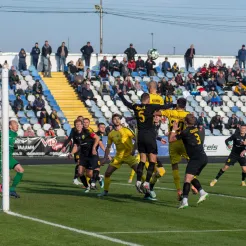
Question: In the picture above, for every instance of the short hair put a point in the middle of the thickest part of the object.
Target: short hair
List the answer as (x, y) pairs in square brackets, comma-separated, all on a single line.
[(80, 116), (78, 121), (116, 115), (152, 84), (36, 43), (144, 97), (243, 125), (190, 119), (87, 119), (181, 102), (100, 124)]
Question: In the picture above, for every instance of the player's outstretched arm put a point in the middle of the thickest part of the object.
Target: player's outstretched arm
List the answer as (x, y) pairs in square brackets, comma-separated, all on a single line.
[(173, 134), (126, 103)]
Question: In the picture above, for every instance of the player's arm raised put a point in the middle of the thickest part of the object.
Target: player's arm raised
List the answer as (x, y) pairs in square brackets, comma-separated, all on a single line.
[(173, 134), (126, 103)]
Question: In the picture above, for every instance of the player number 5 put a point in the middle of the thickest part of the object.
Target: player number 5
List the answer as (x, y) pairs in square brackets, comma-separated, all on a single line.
[(141, 116)]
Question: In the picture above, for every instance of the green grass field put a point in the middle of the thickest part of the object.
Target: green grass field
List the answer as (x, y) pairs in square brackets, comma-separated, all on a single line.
[(47, 193)]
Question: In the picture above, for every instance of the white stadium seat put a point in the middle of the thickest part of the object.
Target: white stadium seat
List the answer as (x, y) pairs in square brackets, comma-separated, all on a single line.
[(225, 109), (203, 103), (207, 109), (198, 98), (211, 114), (114, 109), (234, 98), (104, 108), (36, 127), (40, 133), (226, 132), (110, 103), (229, 94), (239, 104), (119, 103), (225, 120), (243, 109), (230, 104), (216, 109), (20, 132), (204, 93), (243, 98), (225, 98), (46, 127), (25, 126), (60, 133), (221, 113)]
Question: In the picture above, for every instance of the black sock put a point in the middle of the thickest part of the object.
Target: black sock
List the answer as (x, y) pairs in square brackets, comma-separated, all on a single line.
[(219, 174), (150, 171), (243, 176), (196, 184), (84, 181), (95, 176), (151, 186), (76, 172), (140, 170), (186, 189)]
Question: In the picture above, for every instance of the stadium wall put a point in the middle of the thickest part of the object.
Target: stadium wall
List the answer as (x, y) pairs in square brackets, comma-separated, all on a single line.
[(199, 60)]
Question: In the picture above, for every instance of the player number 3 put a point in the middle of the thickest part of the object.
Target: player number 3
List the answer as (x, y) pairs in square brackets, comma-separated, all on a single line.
[(198, 138)]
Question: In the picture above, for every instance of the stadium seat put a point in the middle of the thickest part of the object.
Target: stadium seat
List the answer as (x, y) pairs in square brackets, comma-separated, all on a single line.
[(108, 114), (239, 114), (23, 121), (36, 127), (234, 98), (25, 126), (21, 114), (46, 127), (60, 132), (243, 98), (226, 132), (30, 114), (216, 132), (66, 126), (211, 114), (40, 133), (33, 121), (234, 109), (20, 132), (221, 113)]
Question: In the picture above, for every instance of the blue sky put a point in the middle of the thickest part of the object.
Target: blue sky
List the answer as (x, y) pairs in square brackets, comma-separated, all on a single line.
[(217, 25)]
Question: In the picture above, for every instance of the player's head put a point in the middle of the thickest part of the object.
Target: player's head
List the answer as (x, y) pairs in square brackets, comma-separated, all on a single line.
[(78, 125), (190, 120), (13, 126), (101, 127), (80, 118), (116, 120), (157, 119), (152, 87), (181, 103), (243, 129), (145, 98), (86, 123)]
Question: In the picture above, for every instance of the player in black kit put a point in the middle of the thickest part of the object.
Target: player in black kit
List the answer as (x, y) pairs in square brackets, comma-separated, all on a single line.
[(146, 139), (236, 143), (193, 140)]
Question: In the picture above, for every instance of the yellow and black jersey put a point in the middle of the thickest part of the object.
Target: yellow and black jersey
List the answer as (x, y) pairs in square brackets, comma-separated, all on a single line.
[(156, 99)]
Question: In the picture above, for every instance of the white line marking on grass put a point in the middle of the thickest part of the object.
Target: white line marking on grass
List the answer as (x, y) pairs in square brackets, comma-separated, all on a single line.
[(177, 231), (92, 234), (212, 194)]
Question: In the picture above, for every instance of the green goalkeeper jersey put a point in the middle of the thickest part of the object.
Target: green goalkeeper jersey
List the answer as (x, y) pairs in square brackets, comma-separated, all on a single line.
[(12, 138)]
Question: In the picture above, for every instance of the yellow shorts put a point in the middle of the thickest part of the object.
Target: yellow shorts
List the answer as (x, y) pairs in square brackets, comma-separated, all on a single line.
[(129, 160), (177, 151)]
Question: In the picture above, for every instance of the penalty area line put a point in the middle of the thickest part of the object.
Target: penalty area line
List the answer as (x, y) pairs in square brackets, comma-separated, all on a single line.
[(92, 234)]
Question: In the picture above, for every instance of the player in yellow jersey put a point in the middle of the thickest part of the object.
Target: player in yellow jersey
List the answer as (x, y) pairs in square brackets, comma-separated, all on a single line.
[(154, 97), (122, 138)]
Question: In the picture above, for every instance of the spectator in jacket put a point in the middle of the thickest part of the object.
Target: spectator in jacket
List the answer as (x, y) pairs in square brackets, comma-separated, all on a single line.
[(80, 65), (22, 60), (37, 88), (221, 81), (72, 70), (29, 106), (232, 122), (238, 75), (114, 65), (18, 104), (44, 117), (13, 80), (169, 87), (137, 86), (103, 74), (211, 84), (140, 64), (179, 79), (54, 120), (62, 53), (219, 62), (242, 56), (29, 132), (190, 83), (131, 65), (39, 104), (104, 63), (240, 122), (87, 92), (46, 52), (213, 97), (240, 89), (104, 89), (199, 79), (35, 55), (124, 68), (232, 80), (29, 91), (203, 121), (216, 123), (86, 51), (87, 74), (19, 88), (175, 68), (189, 55), (235, 66), (130, 52), (124, 87), (149, 64), (166, 66)]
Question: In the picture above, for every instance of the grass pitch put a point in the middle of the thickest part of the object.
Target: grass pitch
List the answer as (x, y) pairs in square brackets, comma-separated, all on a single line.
[(47, 193)]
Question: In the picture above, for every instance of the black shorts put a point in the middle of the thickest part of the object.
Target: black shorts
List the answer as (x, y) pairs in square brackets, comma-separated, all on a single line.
[(233, 158), (196, 165), (147, 143), (89, 163)]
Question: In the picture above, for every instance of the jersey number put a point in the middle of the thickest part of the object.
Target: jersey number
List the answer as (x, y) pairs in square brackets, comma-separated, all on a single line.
[(197, 138), (141, 116)]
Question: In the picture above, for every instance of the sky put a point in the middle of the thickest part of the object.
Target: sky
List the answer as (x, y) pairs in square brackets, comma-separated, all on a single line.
[(214, 27)]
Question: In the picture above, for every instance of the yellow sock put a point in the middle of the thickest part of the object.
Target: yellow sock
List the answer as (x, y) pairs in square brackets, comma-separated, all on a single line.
[(160, 171), (107, 182), (88, 180), (143, 178), (176, 179), (132, 175)]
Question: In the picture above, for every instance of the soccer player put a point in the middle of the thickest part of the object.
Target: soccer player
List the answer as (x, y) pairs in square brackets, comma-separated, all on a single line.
[(154, 97), (147, 146), (193, 140), (122, 137), (237, 154), (86, 124), (85, 143), (13, 164)]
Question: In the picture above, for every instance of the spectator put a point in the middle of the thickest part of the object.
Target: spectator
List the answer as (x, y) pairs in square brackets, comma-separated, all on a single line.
[(29, 106), (232, 122), (179, 79), (18, 104), (168, 99), (29, 91), (114, 65), (11, 71), (87, 74), (166, 66), (196, 121), (19, 88), (216, 123), (238, 75), (86, 51), (204, 70), (203, 121), (37, 88), (149, 64), (104, 63), (221, 81), (169, 89), (129, 82), (242, 57), (6, 65), (104, 89), (240, 122), (103, 74), (44, 117), (72, 70), (13, 80), (240, 89), (137, 86), (38, 104), (35, 55), (190, 83), (46, 52), (140, 65), (160, 89), (80, 65), (124, 68), (189, 55), (130, 52), (22, 60), (87, 92), (175, 68), (219, 62), (214, 99), (199, 79), (243, 73), (236, 66), (224, 70), (211, 84), (124, 87), (232, 80), (29, 132), (54, 120), (131, 65), (50, 133), (62, 53), (212, 68)]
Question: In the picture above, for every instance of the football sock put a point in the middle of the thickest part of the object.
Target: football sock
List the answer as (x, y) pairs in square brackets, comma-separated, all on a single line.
[(84, 181), (186, 189), (196, 184), (243, 176), (151, 186), (150, 171), (132, 175), (140, 170), (176, 179), (106, 183), (219, 174), (95, 176), (76, 172), (88, 179), (16, 181)]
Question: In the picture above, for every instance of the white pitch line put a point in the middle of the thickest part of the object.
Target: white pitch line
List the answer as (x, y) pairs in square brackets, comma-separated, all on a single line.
[(177, 231), (92, 234), (213, 194)]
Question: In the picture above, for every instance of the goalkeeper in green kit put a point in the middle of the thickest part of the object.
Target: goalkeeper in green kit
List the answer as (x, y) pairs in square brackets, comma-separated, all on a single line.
[(13, 164)]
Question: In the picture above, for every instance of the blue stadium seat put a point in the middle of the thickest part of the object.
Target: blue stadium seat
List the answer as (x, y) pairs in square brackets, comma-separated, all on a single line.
[(66, 127), (23, 121), (141, 73), (160, 75), (116, 74), (25, 73), (21, 114), (33, 121), (60, 114), (158, 69), (234, 109), (63, 120), (46, 93), (50, 98), (11, 92), (68, 131), (30, 114), (31, 68), (12, 98), (135, 74), (56, 108), (23, 97), (53, 103)]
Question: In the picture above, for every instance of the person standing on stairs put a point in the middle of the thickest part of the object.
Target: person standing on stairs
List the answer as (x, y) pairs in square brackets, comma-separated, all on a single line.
[(46, 52)]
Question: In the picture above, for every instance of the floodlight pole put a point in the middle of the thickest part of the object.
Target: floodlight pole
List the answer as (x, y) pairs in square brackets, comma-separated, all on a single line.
[(152, 34), (5, 138), (101, 27)]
